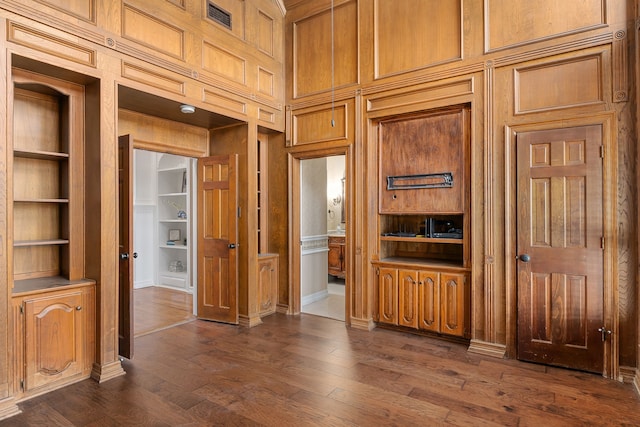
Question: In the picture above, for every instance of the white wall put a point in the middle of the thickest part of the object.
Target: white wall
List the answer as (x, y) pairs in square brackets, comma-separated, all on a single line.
[(313, 229), (144, 211), (335, 174)]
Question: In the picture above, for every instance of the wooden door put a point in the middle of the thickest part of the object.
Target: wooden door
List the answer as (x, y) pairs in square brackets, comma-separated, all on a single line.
[(452, 303), (559, 243), (408, 298), (429, 294), (217, 239), (125, 244), (388, 295)]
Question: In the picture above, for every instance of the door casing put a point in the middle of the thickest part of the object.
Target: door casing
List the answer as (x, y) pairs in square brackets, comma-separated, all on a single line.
[(609, 173)]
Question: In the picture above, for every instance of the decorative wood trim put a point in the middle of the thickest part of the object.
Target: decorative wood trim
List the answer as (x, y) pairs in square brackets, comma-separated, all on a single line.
[(266, 115), (8, 408), (152, 78), (628, 375), (620, 67), (363, 324), (487, 348), (102, 373), (47, 43), (249, 321), (236, 74), (92, 11), (282, 309), (130, 50), (167, 148), (427, 94), (341, 113), (217, 99), (488, 322)]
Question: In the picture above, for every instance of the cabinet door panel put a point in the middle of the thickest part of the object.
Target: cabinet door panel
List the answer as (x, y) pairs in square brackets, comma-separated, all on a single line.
[(429, 301), (388, 295), (53, 339), (408, 298), (268, 285), (452, 307)]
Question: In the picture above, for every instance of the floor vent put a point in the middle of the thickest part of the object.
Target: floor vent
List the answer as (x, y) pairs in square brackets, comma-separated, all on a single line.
[(219, 15)]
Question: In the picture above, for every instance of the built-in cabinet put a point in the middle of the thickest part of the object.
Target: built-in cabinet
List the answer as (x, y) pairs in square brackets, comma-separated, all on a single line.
[(423, 267), (336, 256), (267, 283), (53, 303)]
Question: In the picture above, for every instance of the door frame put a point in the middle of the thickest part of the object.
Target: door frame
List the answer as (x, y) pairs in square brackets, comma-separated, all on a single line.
[(293, 166), (609, 214)]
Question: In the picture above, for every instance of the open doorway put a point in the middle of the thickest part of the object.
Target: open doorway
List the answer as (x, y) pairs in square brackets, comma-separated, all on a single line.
[(322, 236), (164, 224)]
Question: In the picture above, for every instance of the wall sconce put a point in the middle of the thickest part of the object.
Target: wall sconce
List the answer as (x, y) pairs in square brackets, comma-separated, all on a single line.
[(336, 200)]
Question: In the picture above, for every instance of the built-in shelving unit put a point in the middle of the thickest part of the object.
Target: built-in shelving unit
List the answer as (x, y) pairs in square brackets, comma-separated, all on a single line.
[(174, 221)]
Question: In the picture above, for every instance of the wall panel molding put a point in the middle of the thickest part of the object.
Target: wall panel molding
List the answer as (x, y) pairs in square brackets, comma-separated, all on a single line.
[(228, 103), (547, 21), (313, 125), (85, 10), (152, 78), (152, 32), (52, 45), (224, 63), (620, 67)]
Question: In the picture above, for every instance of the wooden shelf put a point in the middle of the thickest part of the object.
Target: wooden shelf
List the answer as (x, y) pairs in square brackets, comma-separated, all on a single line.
[(440, 264), (47, 242), (41, 155), (27, 286), (61, 201), (422, 240)]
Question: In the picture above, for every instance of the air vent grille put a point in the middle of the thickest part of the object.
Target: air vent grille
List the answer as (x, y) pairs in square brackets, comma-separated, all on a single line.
[(219, 15)]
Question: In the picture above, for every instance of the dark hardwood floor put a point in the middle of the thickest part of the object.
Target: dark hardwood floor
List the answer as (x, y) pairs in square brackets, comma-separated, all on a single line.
[(307, 370)]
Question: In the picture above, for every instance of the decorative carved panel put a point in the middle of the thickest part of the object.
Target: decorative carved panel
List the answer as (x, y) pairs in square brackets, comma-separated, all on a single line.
[(411, 34), (432, 93), (223, 63), (152, 32), (312, 70), (563, 84), (515, 22)]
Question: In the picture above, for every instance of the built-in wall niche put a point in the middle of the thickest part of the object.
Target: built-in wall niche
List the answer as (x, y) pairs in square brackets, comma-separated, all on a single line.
[(46, 173)]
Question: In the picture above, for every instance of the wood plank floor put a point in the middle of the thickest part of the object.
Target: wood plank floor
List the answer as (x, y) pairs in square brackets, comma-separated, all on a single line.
[(157, 308), (312, 371)]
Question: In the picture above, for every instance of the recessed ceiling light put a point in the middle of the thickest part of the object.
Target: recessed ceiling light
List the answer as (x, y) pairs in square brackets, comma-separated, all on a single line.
[(187, 109)]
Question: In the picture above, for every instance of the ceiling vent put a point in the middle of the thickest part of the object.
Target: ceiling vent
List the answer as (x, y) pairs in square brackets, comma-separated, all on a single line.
[(219, 15)]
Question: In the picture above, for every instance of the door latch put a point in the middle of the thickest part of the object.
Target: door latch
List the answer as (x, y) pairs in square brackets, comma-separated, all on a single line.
[(604, 331)]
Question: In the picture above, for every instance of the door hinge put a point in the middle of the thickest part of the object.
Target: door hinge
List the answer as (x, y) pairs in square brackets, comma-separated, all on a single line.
[(21, 308), (602, 242), (602, 151), (21, 384), (239, 212), (377, 271)]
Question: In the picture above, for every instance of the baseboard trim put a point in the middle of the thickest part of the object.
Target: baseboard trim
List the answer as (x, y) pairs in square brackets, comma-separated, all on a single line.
[(317, 296), (9, 408), (249, 321), (102, 373), (487, 348), (362, 324)]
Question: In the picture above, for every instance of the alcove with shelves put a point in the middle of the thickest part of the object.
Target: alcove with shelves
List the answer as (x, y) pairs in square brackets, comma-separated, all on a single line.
[(173, 221), (423, 261)]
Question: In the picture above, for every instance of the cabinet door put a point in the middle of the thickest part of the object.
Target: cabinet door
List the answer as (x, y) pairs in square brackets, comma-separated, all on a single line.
[(429, 295), (53, 339), (268, 285), (408, 298), (452, 303), (388, 295), (335, 257)]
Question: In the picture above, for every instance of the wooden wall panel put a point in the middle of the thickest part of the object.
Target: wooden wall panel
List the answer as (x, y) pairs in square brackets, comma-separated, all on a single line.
[(236, 8), (312, 50), (568, 83), (266, 33), (152, 78), (224, 63), (228, 103), (150, 31), (83, 9), (50, 44), (312, 125), (413, 34), (265, 81), (514, 22)]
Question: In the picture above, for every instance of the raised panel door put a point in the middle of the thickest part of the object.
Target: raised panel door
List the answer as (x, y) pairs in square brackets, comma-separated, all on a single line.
[(452, 303), (429, 297), (267, 284), (388, 295), (408, 298)]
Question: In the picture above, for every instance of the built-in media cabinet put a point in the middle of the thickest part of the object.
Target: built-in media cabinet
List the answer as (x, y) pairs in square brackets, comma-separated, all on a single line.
[(423, 258), (53, 303)]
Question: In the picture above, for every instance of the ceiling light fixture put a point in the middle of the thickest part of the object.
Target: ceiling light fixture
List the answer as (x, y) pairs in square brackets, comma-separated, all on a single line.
[(187, 109)]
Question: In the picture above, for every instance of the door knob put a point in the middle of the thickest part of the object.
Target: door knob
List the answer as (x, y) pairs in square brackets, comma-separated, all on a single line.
[(124, 256), (135, 254), (524, 258), (232, 246)]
